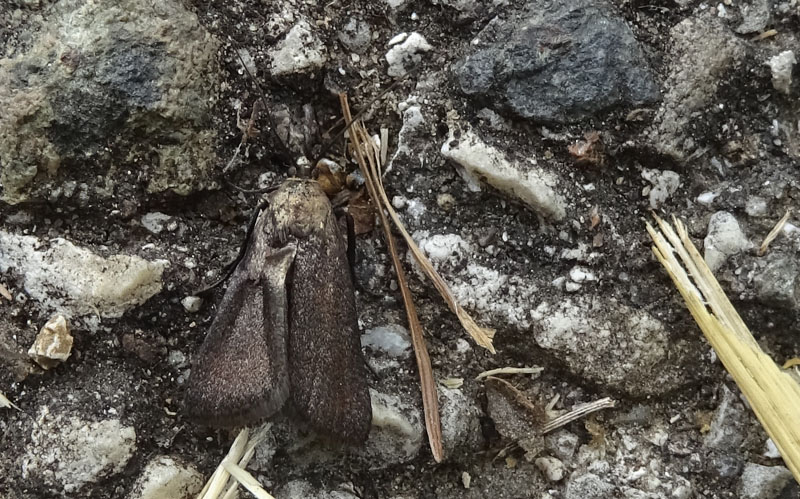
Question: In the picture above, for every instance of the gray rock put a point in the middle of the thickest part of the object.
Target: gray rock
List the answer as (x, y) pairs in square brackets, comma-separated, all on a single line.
[(559, 62), (781, 67), (300, 489), (406, 54), (608, 342), (392, 339), (665, 183), (763, 482), (536, 187), (459, 416), (356, 35), (727, 426), (562, 444), (587, 485), (155, 221), (192, 304), (102, 76), (301, 51), (778, 284), (725, 238), (67, 452), (704, 52), (755, 16), (75, 282), (167, 477), (397, 432)]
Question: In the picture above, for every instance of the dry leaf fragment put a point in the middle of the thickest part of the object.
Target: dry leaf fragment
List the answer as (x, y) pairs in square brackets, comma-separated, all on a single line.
[(589, 152), (363, 212)]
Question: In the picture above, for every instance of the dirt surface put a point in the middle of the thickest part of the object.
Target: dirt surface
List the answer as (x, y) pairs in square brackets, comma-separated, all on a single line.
[(679, 428)]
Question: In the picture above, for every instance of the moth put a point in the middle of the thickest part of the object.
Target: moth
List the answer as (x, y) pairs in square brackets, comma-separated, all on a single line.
[(286, 332)]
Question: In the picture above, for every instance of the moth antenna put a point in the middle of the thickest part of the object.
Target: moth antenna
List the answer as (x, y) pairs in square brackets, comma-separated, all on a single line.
[(272, 128)]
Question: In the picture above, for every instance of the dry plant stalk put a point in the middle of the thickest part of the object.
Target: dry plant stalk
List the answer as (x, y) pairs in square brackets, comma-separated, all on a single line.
[(368, 156), (5, 403), (510, 370), (774, 233), (233, 464), (772, 393), (482, 336)]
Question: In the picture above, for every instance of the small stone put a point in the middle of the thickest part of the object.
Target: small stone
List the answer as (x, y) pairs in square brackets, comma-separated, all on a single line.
[(778, 285), (781, 67), (665, 183), (397, 432), (562, 444), (755, 16), (580, 274), (166, 477), (533, 185), (404, 56), (707, 198), (466, 479), (53, 344), (587, 485), (552, 468), (155, 221), (192, 304), (392, 339), (725, 238), (356, 35), (300, 52), (763, 482), (756, 206)]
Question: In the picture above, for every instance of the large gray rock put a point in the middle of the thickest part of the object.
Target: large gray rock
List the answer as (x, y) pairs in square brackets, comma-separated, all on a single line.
[(109, 94), (704, 53), (559, 61), (66, 452)]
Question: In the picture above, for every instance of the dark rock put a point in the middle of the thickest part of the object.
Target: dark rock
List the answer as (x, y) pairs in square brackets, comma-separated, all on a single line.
[(118, 96), (559, 62)]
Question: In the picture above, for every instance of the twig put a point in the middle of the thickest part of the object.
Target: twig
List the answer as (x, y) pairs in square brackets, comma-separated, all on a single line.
[(510, 370), (774, 233)]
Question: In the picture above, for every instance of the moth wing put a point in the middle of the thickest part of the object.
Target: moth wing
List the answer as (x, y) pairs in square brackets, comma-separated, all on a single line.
[(240, 374), (326, 365)]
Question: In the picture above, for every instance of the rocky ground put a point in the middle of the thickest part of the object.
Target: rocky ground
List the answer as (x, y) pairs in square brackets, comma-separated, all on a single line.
[(528, 142)]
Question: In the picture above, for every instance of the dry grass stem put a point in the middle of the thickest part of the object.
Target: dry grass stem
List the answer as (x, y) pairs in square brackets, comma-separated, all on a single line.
[(368, 155), (5, 403), (510, 370), (774, 233), (577, 413), (772, 393), (482, 336), (233, 464)]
